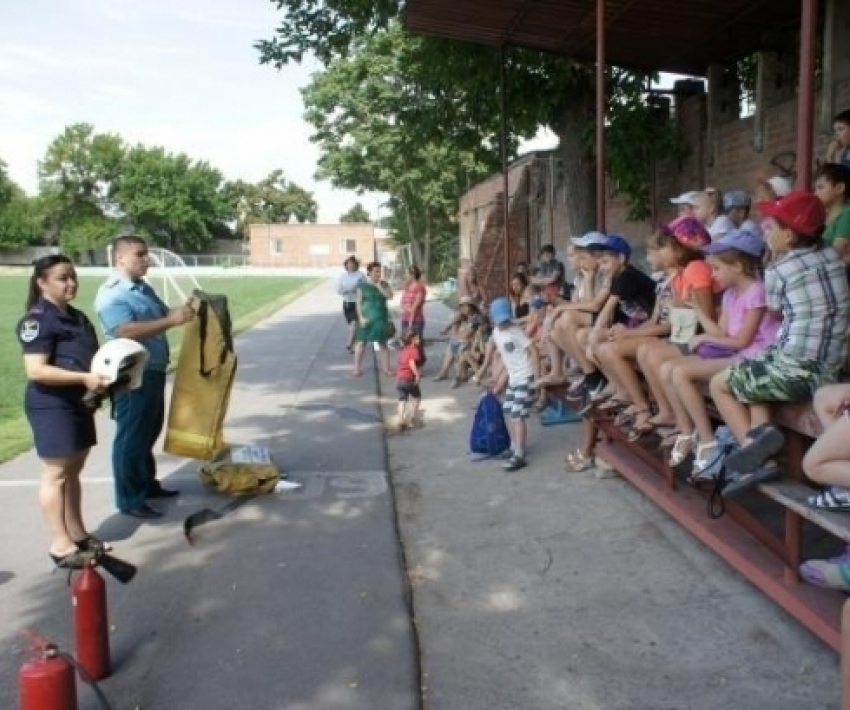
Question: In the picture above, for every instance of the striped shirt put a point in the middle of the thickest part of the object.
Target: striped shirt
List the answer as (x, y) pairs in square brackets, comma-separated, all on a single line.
[(810, 287)]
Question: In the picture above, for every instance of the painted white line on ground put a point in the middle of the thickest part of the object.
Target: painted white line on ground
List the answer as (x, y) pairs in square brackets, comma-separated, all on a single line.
[(341, 484)]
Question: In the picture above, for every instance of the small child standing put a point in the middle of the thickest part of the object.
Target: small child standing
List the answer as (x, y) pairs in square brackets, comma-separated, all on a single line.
[(522, 362), (407, 381)]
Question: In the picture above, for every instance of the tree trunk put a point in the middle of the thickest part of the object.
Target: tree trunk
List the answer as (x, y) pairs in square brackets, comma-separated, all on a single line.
[(416, 245), (426, 251), (571, 123)]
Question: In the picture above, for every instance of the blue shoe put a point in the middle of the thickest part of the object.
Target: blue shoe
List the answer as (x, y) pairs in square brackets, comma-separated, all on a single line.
[(562, 415)]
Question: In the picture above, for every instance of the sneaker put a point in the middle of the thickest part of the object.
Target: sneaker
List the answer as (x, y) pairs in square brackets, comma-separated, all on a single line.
[(833, 573), (514, 463), (506, 455), (597, 386), (586, 404)]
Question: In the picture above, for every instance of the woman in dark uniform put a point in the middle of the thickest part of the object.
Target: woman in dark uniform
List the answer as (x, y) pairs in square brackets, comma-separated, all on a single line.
[(59, 343)]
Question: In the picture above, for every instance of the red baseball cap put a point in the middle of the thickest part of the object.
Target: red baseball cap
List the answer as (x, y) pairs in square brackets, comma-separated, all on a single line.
[(802, 212)]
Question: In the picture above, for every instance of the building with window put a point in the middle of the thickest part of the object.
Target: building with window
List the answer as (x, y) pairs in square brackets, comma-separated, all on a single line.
[(314, 245)]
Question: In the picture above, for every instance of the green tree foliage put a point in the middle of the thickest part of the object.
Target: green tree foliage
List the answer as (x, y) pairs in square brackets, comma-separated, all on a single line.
[(453, 90), (376, 132), (273, 199), (21, 217), (356, 215), (175, 200)]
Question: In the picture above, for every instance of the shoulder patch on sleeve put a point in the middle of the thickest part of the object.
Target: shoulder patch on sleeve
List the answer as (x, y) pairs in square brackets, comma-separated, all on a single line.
[(29, 330)]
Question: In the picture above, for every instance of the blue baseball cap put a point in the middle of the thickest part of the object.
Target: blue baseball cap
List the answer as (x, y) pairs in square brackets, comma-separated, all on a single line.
[(614, 243), (500, 311), (740, 239)]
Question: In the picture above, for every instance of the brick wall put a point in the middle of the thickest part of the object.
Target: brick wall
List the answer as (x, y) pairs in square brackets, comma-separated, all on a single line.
[(313, 245), (728, 159)]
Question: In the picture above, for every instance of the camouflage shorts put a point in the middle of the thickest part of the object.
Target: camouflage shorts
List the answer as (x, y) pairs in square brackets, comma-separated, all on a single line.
[(775, 377)]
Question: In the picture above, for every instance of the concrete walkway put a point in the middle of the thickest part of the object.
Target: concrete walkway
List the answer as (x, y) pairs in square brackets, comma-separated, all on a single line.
[(293, 602), (547, 590)]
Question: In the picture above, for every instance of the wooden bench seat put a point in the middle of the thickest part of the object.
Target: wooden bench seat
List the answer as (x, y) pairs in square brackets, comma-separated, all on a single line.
[(793, 496)]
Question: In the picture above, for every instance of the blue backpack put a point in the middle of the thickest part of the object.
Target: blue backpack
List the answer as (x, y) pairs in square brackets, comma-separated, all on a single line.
[(489, 434)]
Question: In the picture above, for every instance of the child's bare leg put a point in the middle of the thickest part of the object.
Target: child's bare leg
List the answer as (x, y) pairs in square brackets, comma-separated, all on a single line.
[(618, 358), (650, 358), (413, 410), (686, 376), (357, 368), (384, 354), (829, 400), (568, 338), (400, 414), (446, 365), (826, 462), (735, 414)]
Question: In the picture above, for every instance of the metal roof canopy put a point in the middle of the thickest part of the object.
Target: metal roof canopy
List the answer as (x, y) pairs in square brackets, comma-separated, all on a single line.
[(678, 36)]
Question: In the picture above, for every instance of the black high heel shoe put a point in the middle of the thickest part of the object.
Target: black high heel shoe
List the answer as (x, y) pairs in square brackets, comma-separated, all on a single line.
[(90, 543), (77, 559)]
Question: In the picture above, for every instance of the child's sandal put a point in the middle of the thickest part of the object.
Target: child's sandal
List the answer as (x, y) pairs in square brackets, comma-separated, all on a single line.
[(577, 461), (682, 448)]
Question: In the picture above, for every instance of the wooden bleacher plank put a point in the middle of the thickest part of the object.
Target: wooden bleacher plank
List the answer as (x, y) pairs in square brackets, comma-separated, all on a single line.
[(817, 609), (793, 495)]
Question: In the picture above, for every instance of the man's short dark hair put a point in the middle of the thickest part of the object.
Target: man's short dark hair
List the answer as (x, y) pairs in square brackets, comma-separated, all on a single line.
[(547, 249), (843, 117), (127, 240)]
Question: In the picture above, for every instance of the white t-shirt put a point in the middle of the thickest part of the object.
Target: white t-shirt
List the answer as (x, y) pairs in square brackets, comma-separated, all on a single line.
[(346, 285), (513, 345), (720, 226)]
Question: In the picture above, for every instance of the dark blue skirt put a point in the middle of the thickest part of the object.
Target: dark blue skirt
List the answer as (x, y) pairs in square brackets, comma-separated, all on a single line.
[(59, 433)]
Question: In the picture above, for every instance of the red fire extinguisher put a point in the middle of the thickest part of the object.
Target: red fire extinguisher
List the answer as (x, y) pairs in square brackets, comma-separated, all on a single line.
[(91, 628), (47, 682)]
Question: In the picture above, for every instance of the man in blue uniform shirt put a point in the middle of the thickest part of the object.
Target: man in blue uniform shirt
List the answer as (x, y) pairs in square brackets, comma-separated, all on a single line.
[(128, 307)]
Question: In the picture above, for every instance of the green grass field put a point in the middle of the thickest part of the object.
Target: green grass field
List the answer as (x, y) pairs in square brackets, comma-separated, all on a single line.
[(250, 299)]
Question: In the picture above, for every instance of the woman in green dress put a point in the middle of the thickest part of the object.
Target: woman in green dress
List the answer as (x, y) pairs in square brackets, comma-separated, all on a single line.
[(374, 318)]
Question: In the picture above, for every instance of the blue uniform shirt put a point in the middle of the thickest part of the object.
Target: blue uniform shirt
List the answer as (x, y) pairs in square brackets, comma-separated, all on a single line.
[(69, 340), (121, 301)]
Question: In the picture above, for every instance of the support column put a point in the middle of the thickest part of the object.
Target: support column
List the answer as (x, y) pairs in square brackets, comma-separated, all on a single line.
[(806, 94), (600, 115), (835, 67), (506, 186)]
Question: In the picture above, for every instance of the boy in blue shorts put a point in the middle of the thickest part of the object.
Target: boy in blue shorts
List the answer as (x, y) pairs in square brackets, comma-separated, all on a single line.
[(522, 362)]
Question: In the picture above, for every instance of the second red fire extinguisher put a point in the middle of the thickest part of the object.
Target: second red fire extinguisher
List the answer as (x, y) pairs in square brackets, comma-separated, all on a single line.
[(91, 627)]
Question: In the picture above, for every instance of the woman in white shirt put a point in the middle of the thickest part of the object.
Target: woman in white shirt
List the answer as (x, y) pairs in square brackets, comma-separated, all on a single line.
[(346, 286)]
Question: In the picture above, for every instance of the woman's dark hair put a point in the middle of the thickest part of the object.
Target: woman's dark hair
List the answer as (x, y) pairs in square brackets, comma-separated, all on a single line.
[(836, 174), (522, 278), (373, 265), (415, 271), (351, 260), (750, 265), (40, 267)]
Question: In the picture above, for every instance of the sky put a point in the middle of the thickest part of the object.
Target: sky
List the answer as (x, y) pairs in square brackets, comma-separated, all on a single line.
[(182, 74)]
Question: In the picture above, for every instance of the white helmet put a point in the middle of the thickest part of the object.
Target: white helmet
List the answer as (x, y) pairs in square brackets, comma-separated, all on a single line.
[(122, 361)]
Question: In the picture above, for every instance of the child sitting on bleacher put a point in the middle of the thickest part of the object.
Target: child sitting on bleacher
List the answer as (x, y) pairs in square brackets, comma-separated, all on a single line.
[(616, 348), (827, 462), (832, 186), (591, 288), (744, 329), (805, 283), (466, 320), (630, 303), (680, 244)]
